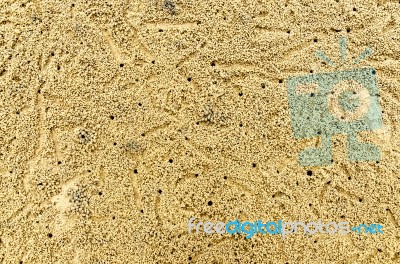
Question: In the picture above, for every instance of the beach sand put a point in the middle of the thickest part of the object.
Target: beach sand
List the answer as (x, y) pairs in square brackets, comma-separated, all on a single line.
[(121, 120)]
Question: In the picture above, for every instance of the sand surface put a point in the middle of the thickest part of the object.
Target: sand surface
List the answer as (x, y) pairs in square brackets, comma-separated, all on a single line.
[(120, 120)]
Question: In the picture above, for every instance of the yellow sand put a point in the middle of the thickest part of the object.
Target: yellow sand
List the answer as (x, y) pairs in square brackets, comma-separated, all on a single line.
[(120, 120)]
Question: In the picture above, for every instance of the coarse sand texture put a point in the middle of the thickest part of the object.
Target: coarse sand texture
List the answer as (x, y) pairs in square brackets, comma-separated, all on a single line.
[(123, 121)]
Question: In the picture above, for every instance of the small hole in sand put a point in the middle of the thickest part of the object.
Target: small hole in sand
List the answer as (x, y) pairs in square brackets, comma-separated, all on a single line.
[(263, 85), (254, 165), (240, 94), (50, 235), (170, 161), (112, 117), (309, 173), (159, 191), (315, 40), (213, 63), (135, 171), (189, 79), (100, 193), (210, 203), (121, 65)]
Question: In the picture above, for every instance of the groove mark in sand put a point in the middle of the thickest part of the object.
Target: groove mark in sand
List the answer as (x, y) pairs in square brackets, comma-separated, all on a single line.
[(135, 188), (41, 124), (184, 25), (114, 50)]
